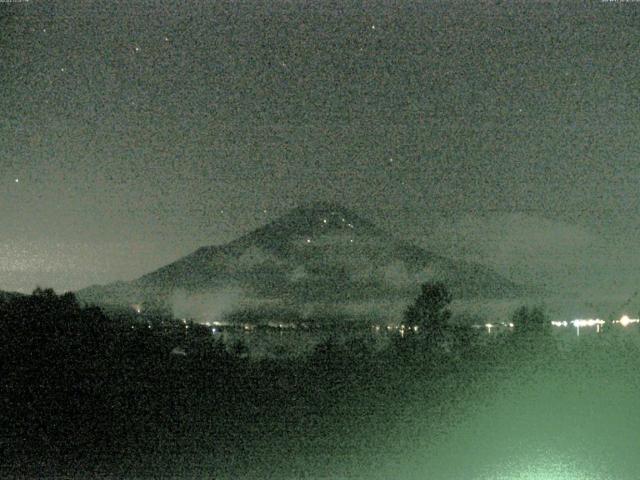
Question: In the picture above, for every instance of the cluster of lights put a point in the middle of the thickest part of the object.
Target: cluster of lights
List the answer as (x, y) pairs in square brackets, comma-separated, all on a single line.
[(401, 328), (588, 322), (325, 221), (489, 326), (594, 322)]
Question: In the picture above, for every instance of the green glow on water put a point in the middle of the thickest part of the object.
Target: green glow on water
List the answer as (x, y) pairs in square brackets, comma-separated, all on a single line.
[(545, 470)]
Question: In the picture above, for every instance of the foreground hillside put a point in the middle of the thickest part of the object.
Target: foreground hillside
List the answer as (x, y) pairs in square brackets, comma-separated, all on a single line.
[(100, 400)]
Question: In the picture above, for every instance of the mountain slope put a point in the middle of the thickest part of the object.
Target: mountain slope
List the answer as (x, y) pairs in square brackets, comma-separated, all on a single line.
[(320, 252)]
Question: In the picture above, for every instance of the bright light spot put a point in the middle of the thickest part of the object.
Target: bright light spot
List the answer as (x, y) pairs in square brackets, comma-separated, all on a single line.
[(308, 240), (373, 27), (17, 180), (324, 220), (489, 327), (137, 49), (557, 323), (625, 320)]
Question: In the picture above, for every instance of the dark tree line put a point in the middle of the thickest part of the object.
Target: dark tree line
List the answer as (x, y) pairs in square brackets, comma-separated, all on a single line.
[(431, 315)]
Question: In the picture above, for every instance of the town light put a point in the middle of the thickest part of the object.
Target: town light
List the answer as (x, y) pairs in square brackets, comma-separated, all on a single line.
[(625, 320)]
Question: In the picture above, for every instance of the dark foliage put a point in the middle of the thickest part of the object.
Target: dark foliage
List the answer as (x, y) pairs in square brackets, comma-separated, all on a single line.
[(430, 311), (530, 320), (104, 396)]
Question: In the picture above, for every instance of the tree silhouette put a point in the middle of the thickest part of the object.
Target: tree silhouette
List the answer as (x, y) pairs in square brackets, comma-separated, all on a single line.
[(530, 320), (430, 311)]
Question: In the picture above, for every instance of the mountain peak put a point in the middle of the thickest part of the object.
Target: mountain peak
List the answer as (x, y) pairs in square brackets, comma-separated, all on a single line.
[(306, 223)]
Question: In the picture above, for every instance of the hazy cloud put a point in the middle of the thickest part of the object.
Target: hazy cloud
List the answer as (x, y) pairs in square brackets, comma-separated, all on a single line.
[(206, 307)]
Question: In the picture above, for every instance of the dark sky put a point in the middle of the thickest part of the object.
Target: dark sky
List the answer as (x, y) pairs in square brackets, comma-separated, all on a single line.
[(133, 132)]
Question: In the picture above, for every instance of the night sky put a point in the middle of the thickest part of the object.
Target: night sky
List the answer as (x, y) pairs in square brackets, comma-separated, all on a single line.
[(132, 133)]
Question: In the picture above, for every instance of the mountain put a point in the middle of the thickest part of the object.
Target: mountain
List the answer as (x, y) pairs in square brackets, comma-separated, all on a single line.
[(319, 253)]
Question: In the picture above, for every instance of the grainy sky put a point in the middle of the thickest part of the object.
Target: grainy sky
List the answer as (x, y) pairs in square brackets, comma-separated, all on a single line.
[(133, 132)]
